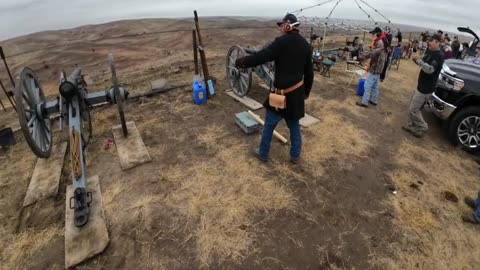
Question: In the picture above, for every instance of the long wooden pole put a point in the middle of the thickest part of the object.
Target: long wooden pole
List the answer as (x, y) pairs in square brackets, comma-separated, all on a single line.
[(195, 52), (203, 57), (276, 134), (8, 95), (1, 103), (6, 66)]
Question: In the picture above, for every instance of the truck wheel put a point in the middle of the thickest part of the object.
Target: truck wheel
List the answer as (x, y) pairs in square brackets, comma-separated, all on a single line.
[(464, 129)]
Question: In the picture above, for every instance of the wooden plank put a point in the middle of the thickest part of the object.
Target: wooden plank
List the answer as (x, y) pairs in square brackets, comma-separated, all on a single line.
[(46, 176), (250, 103), (131, 150), (264, 85), (158, 84), (91, 239), (275, 133), (308, 121)]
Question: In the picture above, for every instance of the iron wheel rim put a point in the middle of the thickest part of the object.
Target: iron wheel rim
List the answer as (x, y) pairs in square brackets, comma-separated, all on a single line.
[(36, 127), (117, 96), (468, 132), (240, 80)]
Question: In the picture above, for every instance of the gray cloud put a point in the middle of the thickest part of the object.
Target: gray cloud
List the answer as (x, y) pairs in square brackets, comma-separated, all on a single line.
[(19, 17)]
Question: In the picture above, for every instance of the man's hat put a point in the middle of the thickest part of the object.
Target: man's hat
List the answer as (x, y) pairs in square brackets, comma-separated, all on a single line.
[(289, 18), (436, 37), (377, 30)]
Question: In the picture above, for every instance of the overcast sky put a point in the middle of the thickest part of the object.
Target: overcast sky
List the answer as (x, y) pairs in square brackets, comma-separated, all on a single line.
[(20, 17)]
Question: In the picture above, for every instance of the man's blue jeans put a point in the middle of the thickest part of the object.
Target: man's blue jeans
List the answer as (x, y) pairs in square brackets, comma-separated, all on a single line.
[(271, 121), (371, 87), (477, 208)]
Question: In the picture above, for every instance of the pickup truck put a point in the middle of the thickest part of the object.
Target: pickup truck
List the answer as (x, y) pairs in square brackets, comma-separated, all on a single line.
[(457, 98)]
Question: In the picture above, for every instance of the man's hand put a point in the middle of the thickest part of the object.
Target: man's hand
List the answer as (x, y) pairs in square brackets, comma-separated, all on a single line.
[(415, 57), (239, 63)]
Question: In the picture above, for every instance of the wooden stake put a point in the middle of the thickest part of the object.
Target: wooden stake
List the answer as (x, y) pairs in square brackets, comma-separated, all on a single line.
[(276, 134), (203, 57), (9, 96), (195, 52), (1, 103)]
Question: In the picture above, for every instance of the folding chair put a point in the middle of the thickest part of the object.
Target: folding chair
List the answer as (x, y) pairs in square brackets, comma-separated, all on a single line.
[(326, 65), (396, 57), (358, 70)]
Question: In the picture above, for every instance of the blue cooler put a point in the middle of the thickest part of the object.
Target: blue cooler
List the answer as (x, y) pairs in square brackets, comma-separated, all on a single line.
[(361, 86)]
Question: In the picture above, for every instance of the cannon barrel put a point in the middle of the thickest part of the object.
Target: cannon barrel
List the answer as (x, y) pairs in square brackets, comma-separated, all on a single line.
[(76, 74)]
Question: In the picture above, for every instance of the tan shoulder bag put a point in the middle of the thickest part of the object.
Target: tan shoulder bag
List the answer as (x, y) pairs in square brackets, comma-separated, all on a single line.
[(278, 100)]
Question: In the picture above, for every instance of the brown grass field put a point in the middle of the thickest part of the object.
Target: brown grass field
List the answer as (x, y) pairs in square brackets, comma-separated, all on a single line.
[(206, 203)]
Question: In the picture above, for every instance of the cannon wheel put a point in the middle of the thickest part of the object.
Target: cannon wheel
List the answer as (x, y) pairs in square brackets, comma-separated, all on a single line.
[(36, 126), (240, 80), (118, 97), (270, 65)]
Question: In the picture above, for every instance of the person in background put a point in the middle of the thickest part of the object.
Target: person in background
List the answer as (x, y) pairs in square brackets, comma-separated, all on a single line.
[(357, 52), (399, 36), (292, 55), (388, 49), (377, 57), (464, 50), (440, 33), (447, 49), (455, 47), (431, 65), (475, 59)]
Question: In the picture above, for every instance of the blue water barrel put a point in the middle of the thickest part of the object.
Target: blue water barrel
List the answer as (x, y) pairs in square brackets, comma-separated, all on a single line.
[(361, 87), (199, 92)]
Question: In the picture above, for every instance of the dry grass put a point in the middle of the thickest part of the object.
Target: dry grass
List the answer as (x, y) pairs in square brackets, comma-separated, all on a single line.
[(212, 135), (334, 137), (433, 236), (220, 199), (19, 249)]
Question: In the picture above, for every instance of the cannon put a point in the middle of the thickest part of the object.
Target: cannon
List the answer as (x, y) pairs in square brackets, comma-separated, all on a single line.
[(240, 80), (73, 106)]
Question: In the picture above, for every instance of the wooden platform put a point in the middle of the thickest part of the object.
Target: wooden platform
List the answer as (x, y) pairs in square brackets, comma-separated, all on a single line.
[(131, 150), (46, 176), (90, 240), (250, 103), (308, 121)]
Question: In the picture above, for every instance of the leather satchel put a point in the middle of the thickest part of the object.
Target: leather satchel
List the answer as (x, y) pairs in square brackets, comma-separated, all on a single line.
[(278, 100)]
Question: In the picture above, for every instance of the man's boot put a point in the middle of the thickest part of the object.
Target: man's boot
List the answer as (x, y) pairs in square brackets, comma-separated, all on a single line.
[(256, 153), (470, 218)]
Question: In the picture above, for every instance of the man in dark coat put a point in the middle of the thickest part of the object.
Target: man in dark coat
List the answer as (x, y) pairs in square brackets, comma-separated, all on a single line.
[(388, 49), (294, 75)]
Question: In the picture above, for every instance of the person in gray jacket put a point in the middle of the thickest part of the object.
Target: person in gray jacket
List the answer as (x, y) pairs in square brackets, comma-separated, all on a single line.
[(431, 65)]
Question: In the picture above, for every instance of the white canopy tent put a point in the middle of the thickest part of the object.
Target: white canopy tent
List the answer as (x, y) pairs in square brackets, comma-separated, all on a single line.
[(344, 24)]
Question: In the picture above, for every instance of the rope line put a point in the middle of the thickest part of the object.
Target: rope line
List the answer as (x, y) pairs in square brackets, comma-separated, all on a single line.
[(305, 8), (331, 11), (366, 13), (376, 10)]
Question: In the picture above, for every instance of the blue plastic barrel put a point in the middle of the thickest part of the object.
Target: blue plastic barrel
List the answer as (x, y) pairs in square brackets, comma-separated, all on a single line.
[(199, 92), (361, 87)]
